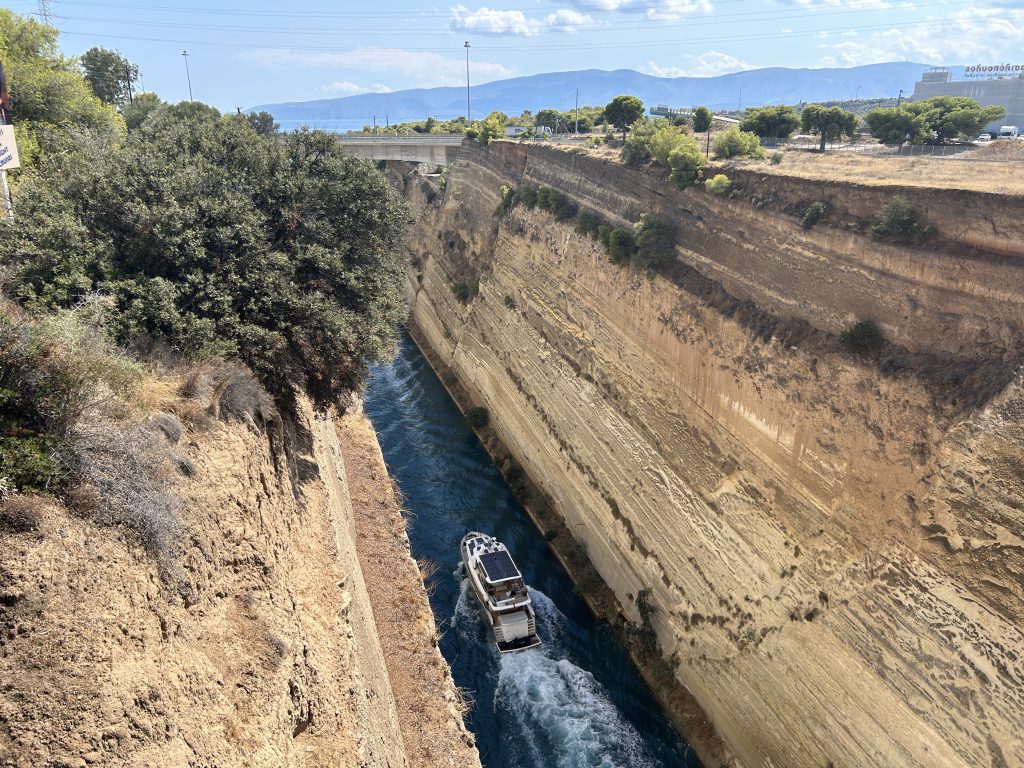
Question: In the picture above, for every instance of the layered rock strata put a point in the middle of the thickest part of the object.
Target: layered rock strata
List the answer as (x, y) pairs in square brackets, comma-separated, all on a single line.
[(834, 543), (256, 643)]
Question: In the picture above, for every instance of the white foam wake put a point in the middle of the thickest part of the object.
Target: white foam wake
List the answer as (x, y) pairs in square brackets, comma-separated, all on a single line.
[(563, 715)]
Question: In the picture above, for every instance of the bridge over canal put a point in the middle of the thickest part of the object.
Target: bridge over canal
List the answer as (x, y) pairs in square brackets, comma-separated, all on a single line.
[(440, 150)]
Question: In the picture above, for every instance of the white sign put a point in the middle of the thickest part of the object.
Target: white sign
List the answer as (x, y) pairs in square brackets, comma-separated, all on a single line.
[(9, 159), (987, 71)]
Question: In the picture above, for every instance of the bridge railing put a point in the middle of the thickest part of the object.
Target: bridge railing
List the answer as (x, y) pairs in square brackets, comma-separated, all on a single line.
[(447, 140)]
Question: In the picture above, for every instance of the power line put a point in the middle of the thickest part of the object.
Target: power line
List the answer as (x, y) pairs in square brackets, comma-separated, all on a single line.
[(523, 47), (419, 30)]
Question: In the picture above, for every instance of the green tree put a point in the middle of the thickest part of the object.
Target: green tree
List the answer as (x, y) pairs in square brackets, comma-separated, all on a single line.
[(686, 162), (548, 118), (895, 125), (263, 123), (623, 111), (110, 75), (48, 93), (493, 127), (774, 122), (737, 143), (829, 122), (652, 139), (954, 117), (136, 112), (210, 238), (701, 120)]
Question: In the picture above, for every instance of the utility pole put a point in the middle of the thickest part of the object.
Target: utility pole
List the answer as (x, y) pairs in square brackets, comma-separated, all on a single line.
[(188, 75), (739, 102), (577, 111), (469, 114), (128, 79), (900, 99)]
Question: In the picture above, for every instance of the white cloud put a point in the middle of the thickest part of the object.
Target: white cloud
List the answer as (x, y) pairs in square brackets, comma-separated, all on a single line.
[(428, 69), (983, 34), (346, 88), (707, 64), (487, 21), (651, 9), (565, 20), (492, 22)]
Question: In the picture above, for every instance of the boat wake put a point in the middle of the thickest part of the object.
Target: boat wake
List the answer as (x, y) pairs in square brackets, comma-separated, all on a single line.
[(557, 714)]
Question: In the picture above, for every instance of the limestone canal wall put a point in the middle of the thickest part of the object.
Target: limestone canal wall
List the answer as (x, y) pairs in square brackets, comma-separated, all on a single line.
[(834, 543)]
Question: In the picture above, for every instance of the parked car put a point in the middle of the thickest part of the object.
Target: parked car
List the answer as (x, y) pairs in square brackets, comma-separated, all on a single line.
[(983, 138)]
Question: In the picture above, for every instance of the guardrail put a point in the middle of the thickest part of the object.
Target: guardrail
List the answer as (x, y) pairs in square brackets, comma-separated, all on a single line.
[(452, 140)]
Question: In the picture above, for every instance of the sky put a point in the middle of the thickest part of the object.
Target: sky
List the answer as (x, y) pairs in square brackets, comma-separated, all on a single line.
[(246, 52)]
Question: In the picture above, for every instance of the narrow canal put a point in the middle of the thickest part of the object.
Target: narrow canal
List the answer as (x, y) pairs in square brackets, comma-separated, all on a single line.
[(577, 701)]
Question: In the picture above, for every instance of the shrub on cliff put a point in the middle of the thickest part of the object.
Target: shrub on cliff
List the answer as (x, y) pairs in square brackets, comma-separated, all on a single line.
[(737, 143), (655, 242), (813, 213), (214, 239), (864, 336), (527, 195), (687, 162), (560, 206), (621, 245), (899, 222), (507, 200), (587, 222), (53, 371), (718, 184), (478, 417)]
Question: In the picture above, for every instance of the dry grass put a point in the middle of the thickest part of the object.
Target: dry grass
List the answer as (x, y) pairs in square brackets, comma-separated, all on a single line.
[(869, 170)]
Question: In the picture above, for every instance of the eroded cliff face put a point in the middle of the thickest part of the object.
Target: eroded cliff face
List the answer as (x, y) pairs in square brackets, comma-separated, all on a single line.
[(834, 543), (256, 643)]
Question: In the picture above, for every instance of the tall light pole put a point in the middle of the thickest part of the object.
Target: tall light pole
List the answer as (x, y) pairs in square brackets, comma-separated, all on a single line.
[(469, 113), (187, 75)]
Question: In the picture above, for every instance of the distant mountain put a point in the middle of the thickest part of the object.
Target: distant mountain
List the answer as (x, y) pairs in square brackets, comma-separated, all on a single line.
[(755, 87)]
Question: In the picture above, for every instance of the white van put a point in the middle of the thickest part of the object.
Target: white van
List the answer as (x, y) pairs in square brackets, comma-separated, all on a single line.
[(1009, 132)]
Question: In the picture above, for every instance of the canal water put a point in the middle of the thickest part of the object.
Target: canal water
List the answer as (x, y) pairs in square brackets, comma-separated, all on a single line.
[(575, 702)]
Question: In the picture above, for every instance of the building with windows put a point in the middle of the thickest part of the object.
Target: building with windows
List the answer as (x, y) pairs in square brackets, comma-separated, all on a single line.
[(1001, 84)]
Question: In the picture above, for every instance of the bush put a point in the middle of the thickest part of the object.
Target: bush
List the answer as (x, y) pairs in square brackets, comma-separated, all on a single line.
[(52, 373), (560, 206), (478, 417), (718, 184), (527, 196), (510, 302), (213, 239), (687, 162), (604, 232), (813, 214), (508, 199), (621, 245), (775, 158), (655, 242), (899, 222), (587, 222), (737, 143), (465, 291), (864, 336)]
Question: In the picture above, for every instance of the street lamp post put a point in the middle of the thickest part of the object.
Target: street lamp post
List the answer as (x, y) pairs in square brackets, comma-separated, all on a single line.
[(469, 113), (188, 76)]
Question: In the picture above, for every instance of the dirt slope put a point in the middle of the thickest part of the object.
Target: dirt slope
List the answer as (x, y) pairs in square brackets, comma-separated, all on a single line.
[(260, 648)]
